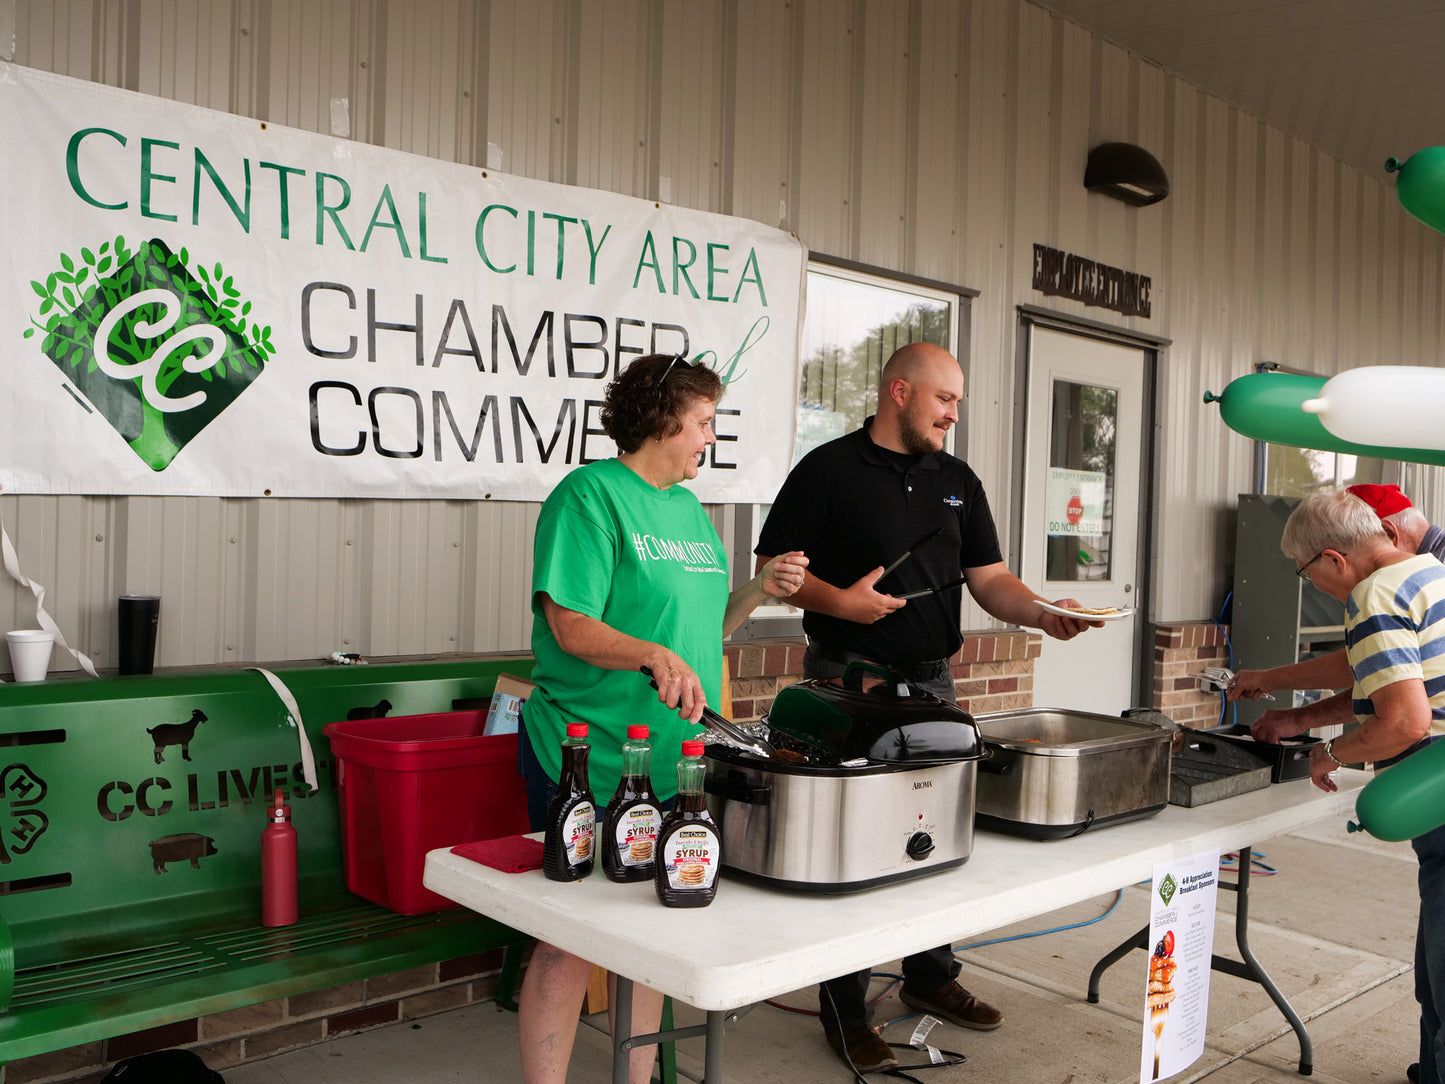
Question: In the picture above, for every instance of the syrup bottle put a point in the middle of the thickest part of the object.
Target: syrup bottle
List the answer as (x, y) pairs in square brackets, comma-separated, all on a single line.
[(689, 849), (572, 817), (629, 832), (278, 865)]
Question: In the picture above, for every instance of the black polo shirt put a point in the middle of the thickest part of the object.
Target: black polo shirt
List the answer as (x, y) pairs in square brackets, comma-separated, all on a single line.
[(852, 506)]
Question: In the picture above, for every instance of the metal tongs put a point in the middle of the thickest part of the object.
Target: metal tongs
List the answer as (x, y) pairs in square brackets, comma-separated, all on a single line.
[(722, 731), (1223, 677)]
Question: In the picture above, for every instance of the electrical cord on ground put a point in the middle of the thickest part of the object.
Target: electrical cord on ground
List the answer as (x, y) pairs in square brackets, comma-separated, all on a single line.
[(1119, 895), (1229, 863), (887, 990)]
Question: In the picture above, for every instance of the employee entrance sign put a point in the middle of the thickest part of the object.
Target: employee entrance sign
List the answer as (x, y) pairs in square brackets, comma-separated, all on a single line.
[(200, 303), (1075, 502)]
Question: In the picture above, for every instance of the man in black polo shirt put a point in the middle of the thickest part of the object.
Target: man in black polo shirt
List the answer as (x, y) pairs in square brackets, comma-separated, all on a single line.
[(854, 505)]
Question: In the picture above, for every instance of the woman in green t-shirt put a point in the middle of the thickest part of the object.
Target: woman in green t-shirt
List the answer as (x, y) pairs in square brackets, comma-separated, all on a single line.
[(628, 571)]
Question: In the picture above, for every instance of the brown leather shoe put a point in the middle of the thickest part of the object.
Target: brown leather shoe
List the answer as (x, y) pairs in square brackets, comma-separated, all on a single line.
[(954, 1004), (864, 1047)]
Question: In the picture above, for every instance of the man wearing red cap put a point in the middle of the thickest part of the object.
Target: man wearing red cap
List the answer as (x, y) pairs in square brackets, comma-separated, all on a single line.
[(1411, 533)]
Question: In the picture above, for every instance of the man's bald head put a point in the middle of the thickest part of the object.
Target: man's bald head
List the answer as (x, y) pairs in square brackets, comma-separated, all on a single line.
[(918, 399), (917, 363)]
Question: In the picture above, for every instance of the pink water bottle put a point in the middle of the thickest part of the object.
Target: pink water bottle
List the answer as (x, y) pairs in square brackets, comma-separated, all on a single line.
[(278, 866)]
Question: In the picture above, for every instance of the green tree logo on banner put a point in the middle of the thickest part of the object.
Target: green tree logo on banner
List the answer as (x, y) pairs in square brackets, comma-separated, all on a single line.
[(158, 350), (1167, 888)]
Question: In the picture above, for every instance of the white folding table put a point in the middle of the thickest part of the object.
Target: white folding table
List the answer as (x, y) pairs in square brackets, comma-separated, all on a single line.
[(754, 943)]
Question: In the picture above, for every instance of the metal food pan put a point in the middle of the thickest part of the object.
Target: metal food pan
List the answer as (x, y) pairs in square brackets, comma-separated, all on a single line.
[(1054, 772), (1059, 732)]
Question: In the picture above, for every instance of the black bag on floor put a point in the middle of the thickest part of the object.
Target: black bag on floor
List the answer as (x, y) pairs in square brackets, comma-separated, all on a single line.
[(163, 1067)]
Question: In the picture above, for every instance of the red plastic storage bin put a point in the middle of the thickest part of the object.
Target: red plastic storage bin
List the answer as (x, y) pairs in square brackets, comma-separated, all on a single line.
[(412, 783)]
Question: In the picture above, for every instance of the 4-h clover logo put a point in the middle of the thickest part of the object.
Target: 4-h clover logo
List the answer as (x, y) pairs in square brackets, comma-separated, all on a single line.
[(159, 351), (1167, 887), (24, 790)]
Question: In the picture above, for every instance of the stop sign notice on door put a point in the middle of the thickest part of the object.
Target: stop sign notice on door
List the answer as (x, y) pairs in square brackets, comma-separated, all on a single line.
[(1075, 502)]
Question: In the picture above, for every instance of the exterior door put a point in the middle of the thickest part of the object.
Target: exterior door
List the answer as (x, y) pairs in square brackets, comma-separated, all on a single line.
[(1084, 435)]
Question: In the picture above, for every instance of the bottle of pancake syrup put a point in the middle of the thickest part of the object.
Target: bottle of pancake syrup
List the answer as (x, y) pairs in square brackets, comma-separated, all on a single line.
[(629, 832), (689, 849), (567, 853)]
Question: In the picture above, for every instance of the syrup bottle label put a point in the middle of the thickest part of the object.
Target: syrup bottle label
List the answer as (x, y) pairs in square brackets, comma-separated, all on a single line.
[(691, 857), (637, 834), (577, 832)]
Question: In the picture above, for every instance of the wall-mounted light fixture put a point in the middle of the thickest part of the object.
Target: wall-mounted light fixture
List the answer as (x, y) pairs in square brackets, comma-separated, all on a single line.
[(1127, 173)]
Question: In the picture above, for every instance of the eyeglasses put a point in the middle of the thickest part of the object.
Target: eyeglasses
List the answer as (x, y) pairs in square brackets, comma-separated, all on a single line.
[(1303, 571), (677, 360)]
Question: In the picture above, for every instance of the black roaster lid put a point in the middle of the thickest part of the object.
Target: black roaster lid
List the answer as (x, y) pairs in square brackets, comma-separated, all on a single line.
[(878, 724)]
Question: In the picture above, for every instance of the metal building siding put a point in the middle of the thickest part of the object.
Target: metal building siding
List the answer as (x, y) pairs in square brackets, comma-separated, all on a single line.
[(942, 138)]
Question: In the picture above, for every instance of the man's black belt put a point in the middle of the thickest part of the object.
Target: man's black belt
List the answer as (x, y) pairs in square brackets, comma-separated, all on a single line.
[(924, 670)]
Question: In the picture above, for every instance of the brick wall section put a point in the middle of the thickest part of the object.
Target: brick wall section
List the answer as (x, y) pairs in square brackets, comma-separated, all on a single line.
[(992, 671), (1182, 649), (232, 1038)]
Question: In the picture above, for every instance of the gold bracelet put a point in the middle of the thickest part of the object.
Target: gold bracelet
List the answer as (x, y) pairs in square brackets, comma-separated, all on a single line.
[(1329, 752)]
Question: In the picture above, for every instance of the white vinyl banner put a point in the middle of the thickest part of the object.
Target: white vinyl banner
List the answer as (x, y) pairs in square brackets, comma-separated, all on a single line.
[(199, 303)]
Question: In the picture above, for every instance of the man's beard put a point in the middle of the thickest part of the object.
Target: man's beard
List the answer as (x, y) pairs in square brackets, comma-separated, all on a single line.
[(916, 440)]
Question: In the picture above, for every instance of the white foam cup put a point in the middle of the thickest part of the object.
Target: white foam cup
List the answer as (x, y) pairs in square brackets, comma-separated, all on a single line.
[(30, 653)]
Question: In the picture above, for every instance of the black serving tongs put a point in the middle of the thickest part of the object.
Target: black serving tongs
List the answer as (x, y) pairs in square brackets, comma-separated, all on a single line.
[(929, 537), (724, 731), (931, 590)]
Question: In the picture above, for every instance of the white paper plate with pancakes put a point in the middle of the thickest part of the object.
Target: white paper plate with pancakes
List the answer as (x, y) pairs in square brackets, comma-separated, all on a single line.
[(1091, 613)]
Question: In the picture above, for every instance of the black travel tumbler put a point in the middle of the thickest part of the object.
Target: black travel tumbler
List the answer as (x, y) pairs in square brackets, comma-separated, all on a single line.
[(138, 616)]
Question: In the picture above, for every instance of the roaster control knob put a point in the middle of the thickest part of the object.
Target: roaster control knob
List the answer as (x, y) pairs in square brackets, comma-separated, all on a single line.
[(920, 846)]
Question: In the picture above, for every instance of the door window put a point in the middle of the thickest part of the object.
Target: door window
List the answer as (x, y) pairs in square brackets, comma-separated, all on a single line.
[(1080, 492)]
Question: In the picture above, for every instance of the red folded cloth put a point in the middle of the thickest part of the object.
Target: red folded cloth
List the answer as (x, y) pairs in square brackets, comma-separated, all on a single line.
[(510, 854)]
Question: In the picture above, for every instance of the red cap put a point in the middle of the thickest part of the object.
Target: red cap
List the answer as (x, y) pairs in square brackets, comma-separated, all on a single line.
[(1385, 500), (635, 732), (576, 730), (692, 748)]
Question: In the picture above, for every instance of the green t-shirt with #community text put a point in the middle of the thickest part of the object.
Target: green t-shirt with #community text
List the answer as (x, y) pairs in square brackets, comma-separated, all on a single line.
[(648, 563)]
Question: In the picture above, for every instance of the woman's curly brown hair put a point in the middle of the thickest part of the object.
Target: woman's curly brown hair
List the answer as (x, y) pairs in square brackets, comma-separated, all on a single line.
[(650, 396)]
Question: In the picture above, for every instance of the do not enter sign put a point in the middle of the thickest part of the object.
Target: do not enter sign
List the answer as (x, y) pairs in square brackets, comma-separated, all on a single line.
[(1075, 502)]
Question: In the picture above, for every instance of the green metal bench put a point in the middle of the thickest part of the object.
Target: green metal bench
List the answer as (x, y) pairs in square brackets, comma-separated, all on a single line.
[(130, 860)]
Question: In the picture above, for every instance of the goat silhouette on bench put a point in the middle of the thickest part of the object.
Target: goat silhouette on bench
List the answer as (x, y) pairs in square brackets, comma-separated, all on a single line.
[(176, 734)]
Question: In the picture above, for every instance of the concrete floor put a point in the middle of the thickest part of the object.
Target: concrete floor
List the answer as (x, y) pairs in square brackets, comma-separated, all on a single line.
[(1335, 928)]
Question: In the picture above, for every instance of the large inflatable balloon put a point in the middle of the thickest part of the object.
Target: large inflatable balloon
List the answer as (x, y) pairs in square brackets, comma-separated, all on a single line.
[(1404, 404), (1421, 185), (1406, 799), (1271, 407)]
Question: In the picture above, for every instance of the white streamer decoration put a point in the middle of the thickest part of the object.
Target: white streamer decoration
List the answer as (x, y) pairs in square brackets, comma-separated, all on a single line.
[(308, 759)]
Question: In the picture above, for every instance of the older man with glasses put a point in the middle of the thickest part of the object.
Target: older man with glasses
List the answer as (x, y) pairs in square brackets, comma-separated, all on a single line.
[(1410, 533), (1395, 643)]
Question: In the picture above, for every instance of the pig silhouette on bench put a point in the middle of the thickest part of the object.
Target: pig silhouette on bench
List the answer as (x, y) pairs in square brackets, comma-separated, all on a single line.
[(176, 734), (182, 847)]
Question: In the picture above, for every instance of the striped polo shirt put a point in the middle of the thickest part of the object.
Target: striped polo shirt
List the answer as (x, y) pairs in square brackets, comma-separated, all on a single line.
[(1395, 630)]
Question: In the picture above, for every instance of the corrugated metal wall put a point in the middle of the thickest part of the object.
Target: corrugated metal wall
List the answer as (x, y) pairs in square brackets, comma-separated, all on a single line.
[(942, 138)]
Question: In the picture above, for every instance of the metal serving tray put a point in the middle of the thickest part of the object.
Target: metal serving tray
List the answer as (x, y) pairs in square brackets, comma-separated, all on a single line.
[(1054, 772), (1289, 759)]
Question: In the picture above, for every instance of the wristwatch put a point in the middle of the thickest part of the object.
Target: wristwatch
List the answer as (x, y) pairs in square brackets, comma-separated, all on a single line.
[(1329, 752)]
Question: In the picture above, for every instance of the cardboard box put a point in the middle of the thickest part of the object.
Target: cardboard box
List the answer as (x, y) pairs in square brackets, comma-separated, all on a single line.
[(507, 699)]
